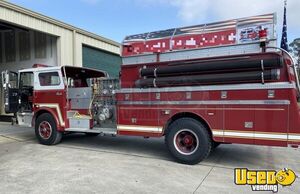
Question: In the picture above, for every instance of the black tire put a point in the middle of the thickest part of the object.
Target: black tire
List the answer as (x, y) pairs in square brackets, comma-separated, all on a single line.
[(215, 144), (92, 134), (47, 138), (190, 129)]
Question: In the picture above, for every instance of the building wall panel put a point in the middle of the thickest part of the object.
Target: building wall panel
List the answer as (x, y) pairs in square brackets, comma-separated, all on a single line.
[(82, 40), (100, 59), (66, 41)]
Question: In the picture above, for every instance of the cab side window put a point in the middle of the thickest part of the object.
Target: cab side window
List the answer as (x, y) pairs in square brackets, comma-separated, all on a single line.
[(26, 79), (49, 79)]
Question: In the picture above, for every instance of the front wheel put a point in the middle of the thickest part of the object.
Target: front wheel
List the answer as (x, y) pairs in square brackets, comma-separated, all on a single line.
[(188, 141), (46, 130)]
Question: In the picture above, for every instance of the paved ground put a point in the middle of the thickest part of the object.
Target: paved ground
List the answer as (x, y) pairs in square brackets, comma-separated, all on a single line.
[(83, 164)]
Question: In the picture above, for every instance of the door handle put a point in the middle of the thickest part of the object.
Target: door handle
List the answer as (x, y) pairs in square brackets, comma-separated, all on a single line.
[(58, 93)]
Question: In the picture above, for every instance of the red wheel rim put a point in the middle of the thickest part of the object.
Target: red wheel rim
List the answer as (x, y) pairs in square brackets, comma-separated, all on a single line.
[(186, 141), (45, 130)]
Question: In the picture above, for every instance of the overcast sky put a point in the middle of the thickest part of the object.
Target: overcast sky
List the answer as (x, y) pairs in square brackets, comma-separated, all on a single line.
[(115, 19)]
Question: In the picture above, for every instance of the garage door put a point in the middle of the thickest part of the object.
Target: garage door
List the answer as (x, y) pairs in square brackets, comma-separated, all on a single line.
[(98, 59)]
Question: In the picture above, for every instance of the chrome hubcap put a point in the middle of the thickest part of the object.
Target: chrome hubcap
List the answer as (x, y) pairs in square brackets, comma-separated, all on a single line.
[(45, 130), (186, 142)]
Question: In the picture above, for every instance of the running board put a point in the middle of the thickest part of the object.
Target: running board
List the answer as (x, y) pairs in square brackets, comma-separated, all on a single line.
[(101, 131)]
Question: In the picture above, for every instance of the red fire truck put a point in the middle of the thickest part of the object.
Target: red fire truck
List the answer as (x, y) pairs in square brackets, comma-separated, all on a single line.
[(196, 86)]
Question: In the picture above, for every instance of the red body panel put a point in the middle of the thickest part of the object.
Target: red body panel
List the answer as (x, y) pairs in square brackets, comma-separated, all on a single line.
[(263, 124), (267, 118), (53, 101)]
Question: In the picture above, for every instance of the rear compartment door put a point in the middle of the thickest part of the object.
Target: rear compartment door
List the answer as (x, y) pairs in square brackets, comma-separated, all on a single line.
[(239, 122), (138, 115), (11, 91), (271, 124)]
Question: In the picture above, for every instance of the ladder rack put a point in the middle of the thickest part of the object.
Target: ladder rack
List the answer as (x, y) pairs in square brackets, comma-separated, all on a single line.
[(217, 51)]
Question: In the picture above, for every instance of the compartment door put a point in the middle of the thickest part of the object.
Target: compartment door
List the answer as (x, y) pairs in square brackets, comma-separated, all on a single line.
[(271, 125), (137, 117), (239, 124)]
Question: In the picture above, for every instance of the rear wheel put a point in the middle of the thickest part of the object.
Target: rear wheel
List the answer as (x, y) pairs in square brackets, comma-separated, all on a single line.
[(46, 130), (188, 141)]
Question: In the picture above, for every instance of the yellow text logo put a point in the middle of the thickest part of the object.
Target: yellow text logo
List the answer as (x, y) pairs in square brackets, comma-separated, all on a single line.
[(264, 180)]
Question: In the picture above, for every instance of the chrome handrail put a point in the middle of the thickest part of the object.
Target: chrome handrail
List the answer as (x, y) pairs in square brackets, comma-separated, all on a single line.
[(293, 65)]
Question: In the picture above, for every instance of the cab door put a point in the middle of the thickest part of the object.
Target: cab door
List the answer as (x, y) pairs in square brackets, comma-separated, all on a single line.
[(49, 92), (10, 91)]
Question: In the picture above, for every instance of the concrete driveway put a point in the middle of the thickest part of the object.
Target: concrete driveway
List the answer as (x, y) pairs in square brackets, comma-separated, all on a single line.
[(83, 164)]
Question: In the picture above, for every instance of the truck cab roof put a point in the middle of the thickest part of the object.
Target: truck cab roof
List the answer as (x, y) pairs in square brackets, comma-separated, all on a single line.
[(70, 71)]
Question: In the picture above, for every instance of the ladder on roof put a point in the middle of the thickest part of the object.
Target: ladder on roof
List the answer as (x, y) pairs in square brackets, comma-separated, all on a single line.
[(217, 51)]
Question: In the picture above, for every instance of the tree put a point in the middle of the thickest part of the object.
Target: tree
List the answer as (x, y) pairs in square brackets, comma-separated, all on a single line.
[(295, 50)]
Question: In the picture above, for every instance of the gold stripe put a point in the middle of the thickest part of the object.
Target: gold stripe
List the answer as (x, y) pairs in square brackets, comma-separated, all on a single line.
[(56, 106), (137, 126), (238, 137), (252, 138), (131, 130), (296, 140), (267, 138)]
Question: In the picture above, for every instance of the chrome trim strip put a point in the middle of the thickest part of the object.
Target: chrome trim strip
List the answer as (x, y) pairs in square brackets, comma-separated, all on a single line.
[(256, 135), (294, 137), (271, 136), (252, 135), (267, 86), (208, 102)]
